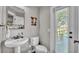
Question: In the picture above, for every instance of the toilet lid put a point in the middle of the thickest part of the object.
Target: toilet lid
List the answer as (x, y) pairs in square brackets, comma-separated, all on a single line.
[(34, 41)]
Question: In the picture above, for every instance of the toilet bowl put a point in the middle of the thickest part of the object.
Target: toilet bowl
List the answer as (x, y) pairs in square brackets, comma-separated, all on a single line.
[(34, 42)]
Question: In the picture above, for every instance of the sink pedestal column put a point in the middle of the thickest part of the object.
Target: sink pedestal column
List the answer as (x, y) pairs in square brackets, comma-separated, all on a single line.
[(17, 49)]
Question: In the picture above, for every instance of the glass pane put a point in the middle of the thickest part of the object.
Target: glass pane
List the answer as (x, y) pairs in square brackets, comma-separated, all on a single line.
[(62, 17)]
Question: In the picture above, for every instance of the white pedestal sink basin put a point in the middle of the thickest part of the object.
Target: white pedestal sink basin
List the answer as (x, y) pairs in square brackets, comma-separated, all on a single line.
[(15, 43)]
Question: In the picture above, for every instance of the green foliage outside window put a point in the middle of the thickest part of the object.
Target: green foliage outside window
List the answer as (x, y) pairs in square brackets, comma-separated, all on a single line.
[(61, 17)]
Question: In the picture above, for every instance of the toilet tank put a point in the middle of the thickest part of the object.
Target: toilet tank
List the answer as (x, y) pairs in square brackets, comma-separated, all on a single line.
[(34, 41)]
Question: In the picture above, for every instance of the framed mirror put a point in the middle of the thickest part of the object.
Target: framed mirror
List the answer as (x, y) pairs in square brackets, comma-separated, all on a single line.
[(16, 17)]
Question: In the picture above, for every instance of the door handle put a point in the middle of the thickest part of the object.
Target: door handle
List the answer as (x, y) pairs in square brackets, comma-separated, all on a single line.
[(76, 41)]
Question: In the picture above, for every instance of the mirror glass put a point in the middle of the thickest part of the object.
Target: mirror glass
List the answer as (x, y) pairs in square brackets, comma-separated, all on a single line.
[(15, 18)]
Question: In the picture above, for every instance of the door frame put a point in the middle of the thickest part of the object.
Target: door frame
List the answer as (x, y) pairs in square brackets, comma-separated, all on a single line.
[(72, 13)]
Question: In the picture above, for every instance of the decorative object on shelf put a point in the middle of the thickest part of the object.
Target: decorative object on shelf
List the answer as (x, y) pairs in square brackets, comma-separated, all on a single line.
[(16, 26), (34, 20)]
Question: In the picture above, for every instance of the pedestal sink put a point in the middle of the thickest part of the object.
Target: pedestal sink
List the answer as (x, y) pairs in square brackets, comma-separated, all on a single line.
[(16, 43)]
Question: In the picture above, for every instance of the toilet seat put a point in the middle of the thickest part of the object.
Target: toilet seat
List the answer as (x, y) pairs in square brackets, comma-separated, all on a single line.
[(40, 49)]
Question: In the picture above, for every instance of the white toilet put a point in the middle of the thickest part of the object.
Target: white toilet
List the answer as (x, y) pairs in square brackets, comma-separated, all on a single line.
[(34, 43)]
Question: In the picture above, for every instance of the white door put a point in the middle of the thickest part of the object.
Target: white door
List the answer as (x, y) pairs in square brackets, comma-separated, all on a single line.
[(76, 48), (64, 29)]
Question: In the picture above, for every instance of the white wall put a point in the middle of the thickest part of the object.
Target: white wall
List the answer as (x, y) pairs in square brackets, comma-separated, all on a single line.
[(44, 26), (1, 23), (29, 29)]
